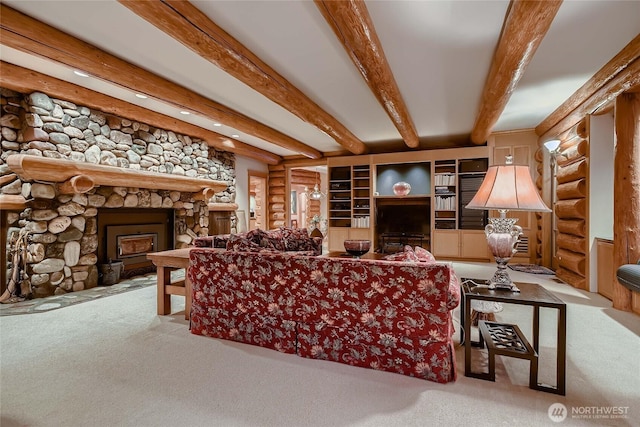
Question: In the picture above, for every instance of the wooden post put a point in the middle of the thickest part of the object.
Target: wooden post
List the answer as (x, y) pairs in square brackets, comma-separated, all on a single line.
[(626, 196)]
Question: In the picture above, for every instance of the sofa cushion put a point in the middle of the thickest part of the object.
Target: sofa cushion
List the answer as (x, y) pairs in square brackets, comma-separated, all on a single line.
[(239, 243), (424, 255), (407, 255), (267, 239)]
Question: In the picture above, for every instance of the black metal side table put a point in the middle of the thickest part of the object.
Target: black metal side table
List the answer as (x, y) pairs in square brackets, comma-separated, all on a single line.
[(530, 294)]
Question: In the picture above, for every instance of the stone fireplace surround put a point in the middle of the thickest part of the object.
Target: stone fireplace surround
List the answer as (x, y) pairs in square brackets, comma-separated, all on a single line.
[(65, 249)]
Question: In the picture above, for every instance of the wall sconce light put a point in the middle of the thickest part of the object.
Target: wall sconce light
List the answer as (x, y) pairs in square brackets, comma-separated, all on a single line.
[(504, 188)]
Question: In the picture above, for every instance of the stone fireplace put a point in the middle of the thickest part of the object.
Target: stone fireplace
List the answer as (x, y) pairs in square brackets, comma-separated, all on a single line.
[(76, 223), (129, 234)]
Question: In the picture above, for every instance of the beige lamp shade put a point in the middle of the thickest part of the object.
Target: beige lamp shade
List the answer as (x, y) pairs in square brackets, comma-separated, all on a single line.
[(508, 187)]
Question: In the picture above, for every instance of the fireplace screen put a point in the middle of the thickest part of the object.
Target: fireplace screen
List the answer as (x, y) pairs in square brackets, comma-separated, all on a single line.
[(136, 245)]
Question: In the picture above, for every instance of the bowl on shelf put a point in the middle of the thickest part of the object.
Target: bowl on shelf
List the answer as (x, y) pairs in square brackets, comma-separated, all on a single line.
[(401, 188), (357, 248)]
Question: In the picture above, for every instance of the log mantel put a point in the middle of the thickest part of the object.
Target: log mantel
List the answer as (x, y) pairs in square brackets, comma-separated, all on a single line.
[(44, 169), (222, 207)]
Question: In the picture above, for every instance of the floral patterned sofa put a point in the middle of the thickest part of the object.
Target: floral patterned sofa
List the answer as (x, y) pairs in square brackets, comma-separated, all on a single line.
[(387, 315)]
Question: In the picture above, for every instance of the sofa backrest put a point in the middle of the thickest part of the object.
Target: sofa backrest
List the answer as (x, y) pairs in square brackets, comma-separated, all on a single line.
[(336, 291)]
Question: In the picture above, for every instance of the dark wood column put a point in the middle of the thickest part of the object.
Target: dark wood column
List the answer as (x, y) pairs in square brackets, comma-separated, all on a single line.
[(626, 199)]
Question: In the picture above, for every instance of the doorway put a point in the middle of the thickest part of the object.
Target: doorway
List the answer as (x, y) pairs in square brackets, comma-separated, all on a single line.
[(304, 210), (257, 200)]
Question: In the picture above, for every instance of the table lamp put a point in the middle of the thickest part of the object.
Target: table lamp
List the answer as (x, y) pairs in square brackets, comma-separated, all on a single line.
[(504, 188)]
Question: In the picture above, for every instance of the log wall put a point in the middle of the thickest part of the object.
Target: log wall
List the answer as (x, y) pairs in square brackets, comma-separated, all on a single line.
[(571, 210), (276, 212)]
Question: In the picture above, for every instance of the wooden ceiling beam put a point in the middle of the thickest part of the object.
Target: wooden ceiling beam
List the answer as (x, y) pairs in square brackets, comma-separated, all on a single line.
[(352, 25), (29, 35), (185, 23), (26, 81), (524, 27), (618, 75)]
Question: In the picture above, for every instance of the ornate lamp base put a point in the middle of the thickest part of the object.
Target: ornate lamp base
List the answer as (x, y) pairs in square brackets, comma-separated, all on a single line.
[(502, 237)]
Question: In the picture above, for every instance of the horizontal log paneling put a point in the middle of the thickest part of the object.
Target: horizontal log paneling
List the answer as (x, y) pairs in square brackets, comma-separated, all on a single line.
[(276, 182), (572, 208), (572, 243), (572, 172), (572, 153), (572, 226), (572, 190), (572, 261), (276, 198), (277, 174)]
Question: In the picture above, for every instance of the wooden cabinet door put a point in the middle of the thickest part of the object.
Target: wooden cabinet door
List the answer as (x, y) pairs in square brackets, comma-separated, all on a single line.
[(337, 236), (604, 253), (360, 233), (474, 245), (445, 243)]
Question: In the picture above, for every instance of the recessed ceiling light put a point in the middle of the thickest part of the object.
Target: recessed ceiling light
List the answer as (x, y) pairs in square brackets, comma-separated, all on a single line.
[(186, 113), (141, 96), (80, 73), (217, 124), (235, 135)]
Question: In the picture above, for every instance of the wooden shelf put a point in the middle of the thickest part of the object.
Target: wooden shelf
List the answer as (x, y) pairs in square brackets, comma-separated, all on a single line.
[(12, 202)]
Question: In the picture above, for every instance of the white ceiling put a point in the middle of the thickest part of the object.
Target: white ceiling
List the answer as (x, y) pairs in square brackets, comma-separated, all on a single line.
[(439, 51)]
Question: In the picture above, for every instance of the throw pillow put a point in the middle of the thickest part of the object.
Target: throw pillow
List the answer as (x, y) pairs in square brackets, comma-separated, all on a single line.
[(266, 239), (424, 255), (295, 239), (404, 256), (242, 244)]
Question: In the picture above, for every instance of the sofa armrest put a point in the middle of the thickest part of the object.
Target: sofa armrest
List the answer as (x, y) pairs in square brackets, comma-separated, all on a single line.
[(629, 276), (453, 291)]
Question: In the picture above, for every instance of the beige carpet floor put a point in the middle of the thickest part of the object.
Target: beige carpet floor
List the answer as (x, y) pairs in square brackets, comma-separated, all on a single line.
[(114, 362)]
